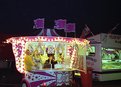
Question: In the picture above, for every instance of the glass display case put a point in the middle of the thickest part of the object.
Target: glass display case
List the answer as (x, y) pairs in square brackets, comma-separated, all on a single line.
[(111, 59), (91, 51)]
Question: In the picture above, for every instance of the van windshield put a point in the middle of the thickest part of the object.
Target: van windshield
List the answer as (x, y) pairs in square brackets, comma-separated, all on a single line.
[(6, 55)]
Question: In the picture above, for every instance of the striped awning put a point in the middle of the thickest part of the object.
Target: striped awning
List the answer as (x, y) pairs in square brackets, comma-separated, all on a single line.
[(48, 32)]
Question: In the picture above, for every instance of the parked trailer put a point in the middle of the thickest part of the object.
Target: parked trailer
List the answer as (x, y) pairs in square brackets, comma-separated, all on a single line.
[(104, 56)]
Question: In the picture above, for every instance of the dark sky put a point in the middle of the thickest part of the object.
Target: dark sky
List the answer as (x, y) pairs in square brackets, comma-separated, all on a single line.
[(16, 16)]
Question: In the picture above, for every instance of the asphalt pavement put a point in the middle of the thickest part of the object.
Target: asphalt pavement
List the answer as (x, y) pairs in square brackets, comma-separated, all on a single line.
[(115, 83)]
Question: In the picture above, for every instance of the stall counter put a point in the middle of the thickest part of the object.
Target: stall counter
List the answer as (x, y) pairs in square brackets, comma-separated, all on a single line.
[(49, 77)]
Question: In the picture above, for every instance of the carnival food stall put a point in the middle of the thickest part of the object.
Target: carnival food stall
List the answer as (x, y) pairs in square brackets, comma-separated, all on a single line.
[(48, 60), (105, 56)]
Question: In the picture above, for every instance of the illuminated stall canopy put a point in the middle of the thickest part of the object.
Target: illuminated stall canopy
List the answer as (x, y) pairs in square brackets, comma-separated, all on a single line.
[(73, 49)]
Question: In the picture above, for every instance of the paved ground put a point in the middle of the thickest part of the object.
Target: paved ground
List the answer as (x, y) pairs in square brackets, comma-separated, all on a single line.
[(95, 84), (116, 83)]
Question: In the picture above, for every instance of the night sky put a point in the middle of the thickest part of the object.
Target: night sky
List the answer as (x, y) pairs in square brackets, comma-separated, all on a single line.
[(16, 16)]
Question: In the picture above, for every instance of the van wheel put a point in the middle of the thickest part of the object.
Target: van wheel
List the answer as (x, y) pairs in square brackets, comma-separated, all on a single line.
[(24, 85)]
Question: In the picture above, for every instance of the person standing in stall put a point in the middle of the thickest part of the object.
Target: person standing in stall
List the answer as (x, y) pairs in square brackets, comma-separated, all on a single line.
[(28, 61), (50, 62), (37, 59)]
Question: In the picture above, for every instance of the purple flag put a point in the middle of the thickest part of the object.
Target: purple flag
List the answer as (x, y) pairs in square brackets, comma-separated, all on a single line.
[(60, 24), (39, 23), (70, 27)]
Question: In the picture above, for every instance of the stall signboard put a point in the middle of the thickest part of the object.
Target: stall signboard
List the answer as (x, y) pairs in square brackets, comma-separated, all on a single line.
[(107, 40)]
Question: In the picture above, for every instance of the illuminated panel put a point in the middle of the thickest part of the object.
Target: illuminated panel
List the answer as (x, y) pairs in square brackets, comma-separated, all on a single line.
[(111, 59), (18, 44)]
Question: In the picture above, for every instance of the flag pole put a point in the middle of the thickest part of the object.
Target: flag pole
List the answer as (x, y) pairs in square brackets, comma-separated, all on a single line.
[(75, 34), (115, 27), (92, 33), (43, 31), (90, 30), (66, 34)]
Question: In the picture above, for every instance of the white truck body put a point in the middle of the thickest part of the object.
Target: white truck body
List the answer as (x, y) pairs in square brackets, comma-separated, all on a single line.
[(105, 68)]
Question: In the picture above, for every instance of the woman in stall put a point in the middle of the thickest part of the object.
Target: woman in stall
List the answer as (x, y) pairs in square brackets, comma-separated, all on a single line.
[(28, 61)]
